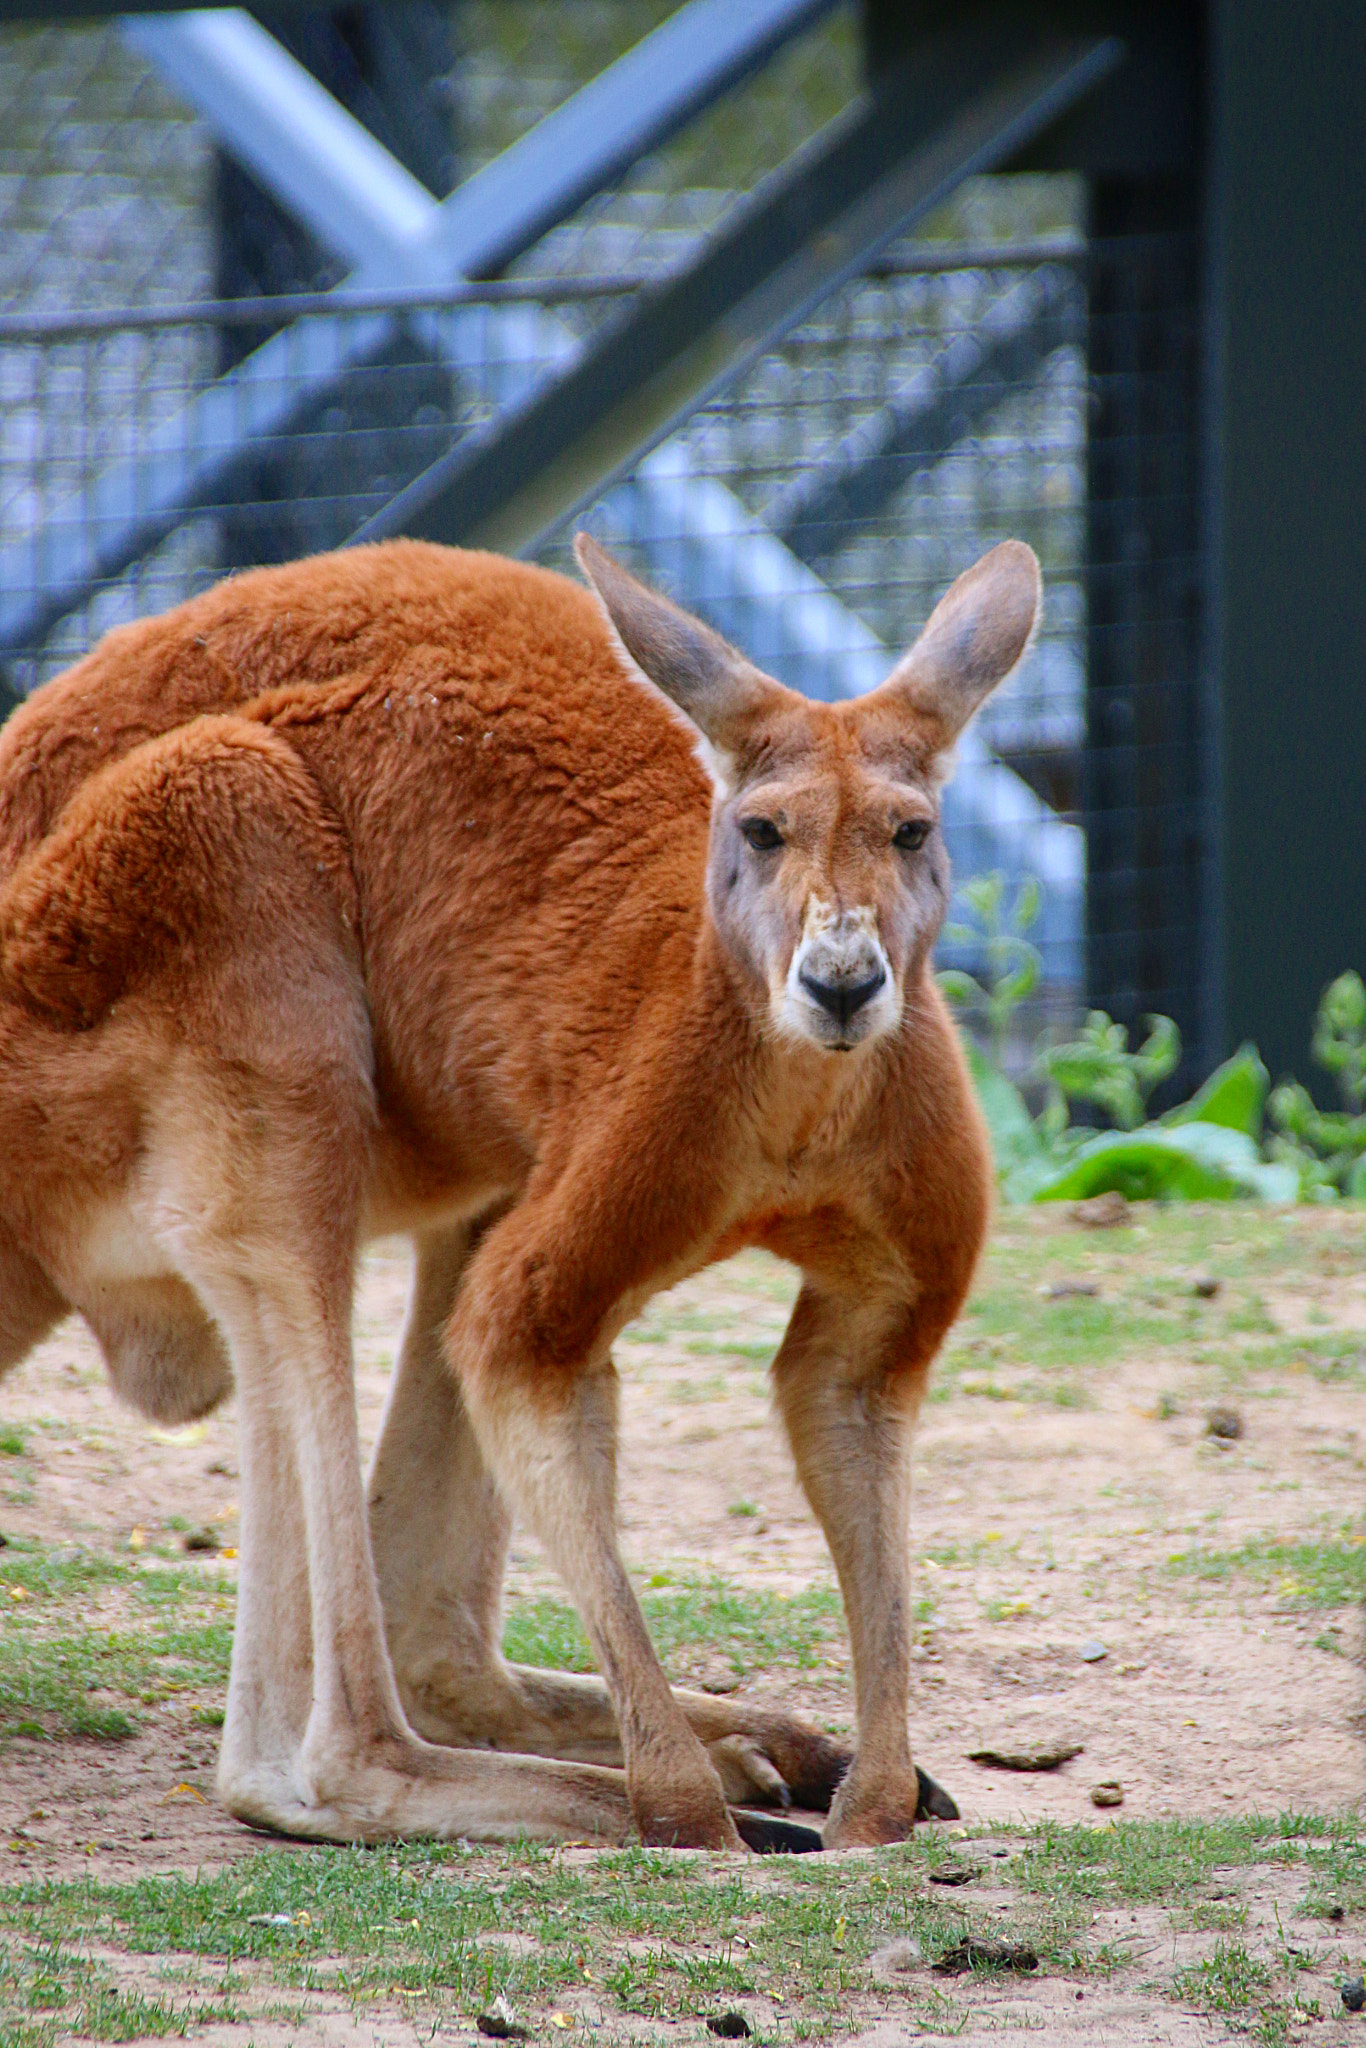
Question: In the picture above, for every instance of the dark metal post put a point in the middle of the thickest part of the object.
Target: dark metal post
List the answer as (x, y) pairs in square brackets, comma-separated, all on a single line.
[(1142, 786), (1289, 572), (390, 66)]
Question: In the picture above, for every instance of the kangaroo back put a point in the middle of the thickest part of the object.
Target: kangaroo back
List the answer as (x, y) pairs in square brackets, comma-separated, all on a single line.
[(306, 622)]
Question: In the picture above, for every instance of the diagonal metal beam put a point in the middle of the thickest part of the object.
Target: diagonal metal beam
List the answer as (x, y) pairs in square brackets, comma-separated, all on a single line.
[(966, 102), (324, 167), (273, 112), (285, 128), (939, 406)]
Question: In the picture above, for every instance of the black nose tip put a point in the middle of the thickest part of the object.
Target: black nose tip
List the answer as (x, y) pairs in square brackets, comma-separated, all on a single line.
[(842, 999)]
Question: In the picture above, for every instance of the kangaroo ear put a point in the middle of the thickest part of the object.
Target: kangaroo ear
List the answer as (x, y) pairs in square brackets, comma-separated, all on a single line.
[(972, 640), (699, 672)]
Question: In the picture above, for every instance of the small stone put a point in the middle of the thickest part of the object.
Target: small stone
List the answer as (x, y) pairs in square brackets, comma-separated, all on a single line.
[(1205, 1287), (204, 1541), (1109, 1792), (219, 1468), (1093, 1652), (1336, 1913), (730, 2026), (1354, 1994), (1225, 1424), (719, 1677), (951, 1872), (1069, 1290), (1102, 1212), (495, 2028)]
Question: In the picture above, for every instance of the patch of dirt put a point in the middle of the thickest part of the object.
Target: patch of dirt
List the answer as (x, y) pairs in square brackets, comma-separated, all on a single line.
[(1037, 1528)]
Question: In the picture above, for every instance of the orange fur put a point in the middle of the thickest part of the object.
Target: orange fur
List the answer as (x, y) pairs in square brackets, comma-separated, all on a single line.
[(388, 891)]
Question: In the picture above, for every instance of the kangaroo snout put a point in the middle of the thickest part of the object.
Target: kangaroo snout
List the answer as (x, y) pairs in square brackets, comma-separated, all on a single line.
[(842, 999), (839, 972)]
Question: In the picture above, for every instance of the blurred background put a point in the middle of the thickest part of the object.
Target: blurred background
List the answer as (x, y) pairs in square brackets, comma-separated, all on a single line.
[(800, 306)]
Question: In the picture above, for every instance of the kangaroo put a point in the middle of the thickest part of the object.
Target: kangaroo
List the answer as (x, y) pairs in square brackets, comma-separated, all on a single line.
[(415, 890)]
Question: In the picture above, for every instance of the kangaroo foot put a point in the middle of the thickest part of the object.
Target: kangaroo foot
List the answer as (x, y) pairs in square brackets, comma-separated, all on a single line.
[(870, 1815)]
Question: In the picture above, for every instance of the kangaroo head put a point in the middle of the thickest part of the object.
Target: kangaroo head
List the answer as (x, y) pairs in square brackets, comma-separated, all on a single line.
[(827, 876)]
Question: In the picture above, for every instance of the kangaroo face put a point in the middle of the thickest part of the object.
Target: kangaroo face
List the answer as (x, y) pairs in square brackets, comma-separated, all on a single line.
[(827, 875)]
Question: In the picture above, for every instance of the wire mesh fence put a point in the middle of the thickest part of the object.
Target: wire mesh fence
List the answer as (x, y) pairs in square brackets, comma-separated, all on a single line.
[(814, 511)]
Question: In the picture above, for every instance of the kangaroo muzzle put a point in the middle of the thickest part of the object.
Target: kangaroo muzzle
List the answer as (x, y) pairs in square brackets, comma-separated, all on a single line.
[(840, 990)]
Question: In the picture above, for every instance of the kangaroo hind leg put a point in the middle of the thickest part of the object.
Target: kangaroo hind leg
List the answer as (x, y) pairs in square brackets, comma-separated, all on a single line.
[(200, 888), (316, 1742), (440, 1528)]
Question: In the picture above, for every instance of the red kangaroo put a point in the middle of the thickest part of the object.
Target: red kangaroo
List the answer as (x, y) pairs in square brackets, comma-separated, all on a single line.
[(411, 890)]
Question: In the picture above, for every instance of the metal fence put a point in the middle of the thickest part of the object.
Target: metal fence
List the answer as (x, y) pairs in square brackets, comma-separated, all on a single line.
[(814, 511)]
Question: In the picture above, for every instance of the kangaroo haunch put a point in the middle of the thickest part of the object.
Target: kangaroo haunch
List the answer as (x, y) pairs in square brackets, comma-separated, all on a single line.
[(414, 890)]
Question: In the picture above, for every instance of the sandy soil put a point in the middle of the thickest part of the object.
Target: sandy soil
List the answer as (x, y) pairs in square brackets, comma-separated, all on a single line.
[(1052, 1527)]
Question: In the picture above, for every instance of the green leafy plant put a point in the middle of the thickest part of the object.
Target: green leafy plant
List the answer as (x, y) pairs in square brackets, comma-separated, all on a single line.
[(1099, 1068), (1012, 962), (1326, 1149), (1207, 1149)]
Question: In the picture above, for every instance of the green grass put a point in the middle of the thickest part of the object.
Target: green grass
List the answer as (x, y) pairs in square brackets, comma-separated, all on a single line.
[(170, 1632), (661, 1937), (1338, 1360), (1302, 1575), (760, 1353), (752, 1629), (653, 1933), (49, 1991), (1336, 1869), (1143, 1862), (101, 1640), (1072, 1332), (1230, 1981)]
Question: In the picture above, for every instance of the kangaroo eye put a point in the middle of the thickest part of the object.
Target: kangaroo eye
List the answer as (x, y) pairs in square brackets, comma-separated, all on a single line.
[(911, 836), (762, 834)]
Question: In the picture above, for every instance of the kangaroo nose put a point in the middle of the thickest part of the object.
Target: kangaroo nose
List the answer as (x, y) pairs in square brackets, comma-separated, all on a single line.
[(842, 999)]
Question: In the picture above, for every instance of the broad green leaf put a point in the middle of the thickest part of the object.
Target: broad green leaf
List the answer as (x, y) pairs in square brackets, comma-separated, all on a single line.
[(1233, 1096), (1189, 1162), (1008, 1119)]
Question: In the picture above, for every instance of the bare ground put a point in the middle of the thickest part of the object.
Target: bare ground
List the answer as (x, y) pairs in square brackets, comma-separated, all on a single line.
[(1054, 1485)]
